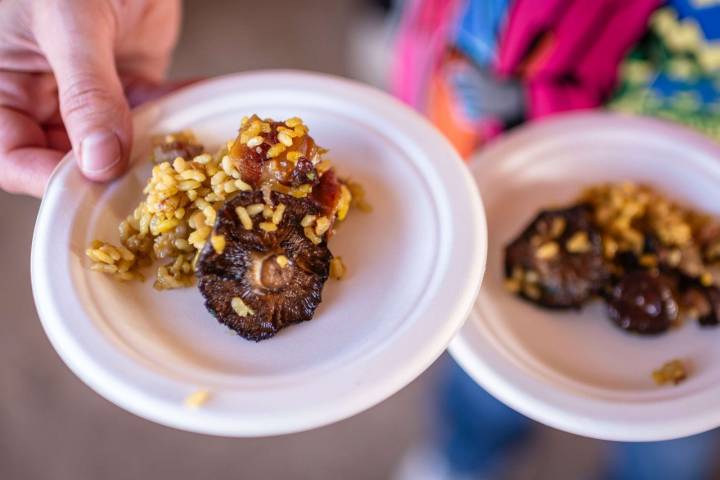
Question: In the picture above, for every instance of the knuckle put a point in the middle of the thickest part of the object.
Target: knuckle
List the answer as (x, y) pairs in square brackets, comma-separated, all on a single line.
[(85, 95)]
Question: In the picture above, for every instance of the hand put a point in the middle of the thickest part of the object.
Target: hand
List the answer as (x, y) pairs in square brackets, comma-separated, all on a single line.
[(67, 68)]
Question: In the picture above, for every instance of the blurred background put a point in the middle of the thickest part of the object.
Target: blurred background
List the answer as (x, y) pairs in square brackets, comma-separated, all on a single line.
[(53, 426)]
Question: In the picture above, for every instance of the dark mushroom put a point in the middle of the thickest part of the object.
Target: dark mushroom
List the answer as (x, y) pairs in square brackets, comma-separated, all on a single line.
[(263, 280), (557, 261), (643, 301)]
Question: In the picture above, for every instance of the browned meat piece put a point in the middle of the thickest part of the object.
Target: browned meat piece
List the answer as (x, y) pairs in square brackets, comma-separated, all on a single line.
[(250, 162), (643, 302), (557, 261), (261, 157), (327, 192), (263, 281), (168, 152)]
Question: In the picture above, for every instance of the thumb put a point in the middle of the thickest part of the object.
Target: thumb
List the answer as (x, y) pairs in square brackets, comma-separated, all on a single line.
[(77, 38)]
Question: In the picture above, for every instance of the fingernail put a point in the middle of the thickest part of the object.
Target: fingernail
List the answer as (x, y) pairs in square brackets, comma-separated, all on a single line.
[(99, 152)]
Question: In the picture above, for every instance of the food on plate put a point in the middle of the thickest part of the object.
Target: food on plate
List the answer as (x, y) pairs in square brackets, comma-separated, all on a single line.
[(197, 399), (650, 259), (250, 221), (268, 273), (643, 301), (702, 303), (337, 268), (673, 372), (557, 261), (181, 144)]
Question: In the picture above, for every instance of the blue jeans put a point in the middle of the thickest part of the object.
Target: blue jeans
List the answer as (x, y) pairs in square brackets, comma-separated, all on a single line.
[(477, 432)]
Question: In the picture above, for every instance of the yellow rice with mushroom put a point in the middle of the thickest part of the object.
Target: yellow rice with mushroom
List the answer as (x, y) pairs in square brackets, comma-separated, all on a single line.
[(175, 219)]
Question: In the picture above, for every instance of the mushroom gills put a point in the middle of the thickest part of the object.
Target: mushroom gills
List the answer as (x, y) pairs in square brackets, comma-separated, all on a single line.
[(279, 275)]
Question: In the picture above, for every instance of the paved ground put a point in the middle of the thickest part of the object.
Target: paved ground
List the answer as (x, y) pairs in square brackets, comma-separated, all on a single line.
[(53, 427)]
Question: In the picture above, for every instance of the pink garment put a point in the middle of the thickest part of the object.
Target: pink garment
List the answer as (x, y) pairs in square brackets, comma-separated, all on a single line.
[(423, 37), (527, 20), (589, 39), (614, 42), (546, 98), (565, 52)]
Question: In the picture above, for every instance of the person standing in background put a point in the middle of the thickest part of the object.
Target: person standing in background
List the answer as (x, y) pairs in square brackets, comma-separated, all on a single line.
[(479, 67)]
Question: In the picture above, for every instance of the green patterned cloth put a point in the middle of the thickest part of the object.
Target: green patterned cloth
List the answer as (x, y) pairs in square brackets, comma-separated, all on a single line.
[(673, 73)]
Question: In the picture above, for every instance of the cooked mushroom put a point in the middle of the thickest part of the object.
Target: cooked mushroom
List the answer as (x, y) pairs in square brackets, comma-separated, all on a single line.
[(557, 261), (643, 301), (268, 274)]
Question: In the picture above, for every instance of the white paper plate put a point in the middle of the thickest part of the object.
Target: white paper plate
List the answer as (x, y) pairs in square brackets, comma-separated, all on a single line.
[(576, 371), (415, 266)]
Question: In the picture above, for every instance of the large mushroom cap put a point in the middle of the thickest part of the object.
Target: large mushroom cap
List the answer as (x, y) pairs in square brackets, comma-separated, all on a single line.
[(557, 261), (263, 279)]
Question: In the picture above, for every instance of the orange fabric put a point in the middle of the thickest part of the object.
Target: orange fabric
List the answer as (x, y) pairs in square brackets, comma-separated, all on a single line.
[(440, 111)]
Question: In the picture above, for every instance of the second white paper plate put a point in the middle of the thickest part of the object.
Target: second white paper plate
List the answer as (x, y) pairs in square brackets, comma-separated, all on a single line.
[(576, 371)]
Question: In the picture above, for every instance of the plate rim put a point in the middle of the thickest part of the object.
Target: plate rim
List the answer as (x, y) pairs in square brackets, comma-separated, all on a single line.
[(535, 398), (171, 412)]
